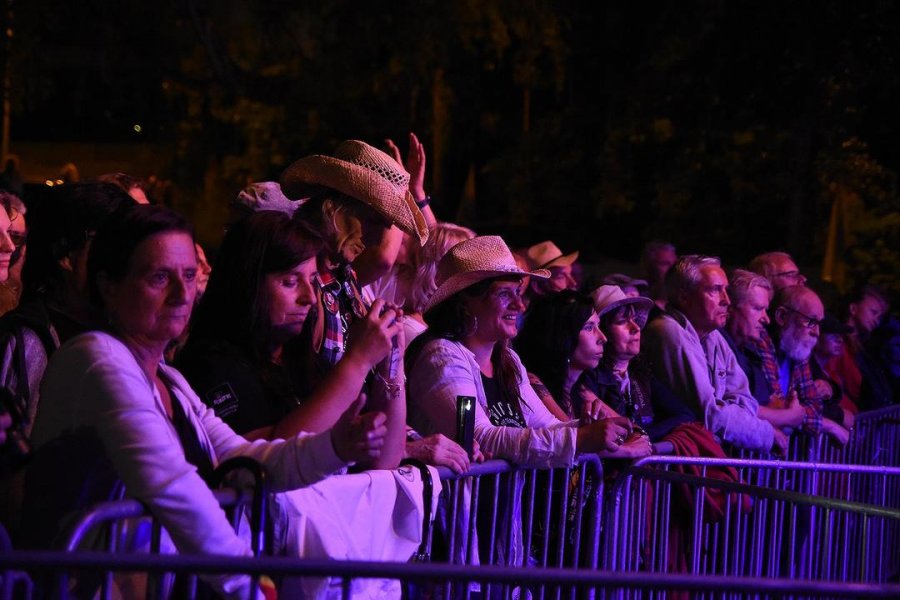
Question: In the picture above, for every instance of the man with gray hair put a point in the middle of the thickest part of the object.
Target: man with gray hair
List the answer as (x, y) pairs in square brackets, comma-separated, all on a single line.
[(686, 351), (746, 327)]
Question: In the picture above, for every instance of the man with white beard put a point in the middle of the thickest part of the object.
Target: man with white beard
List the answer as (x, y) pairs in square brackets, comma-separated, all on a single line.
[(797, 316)]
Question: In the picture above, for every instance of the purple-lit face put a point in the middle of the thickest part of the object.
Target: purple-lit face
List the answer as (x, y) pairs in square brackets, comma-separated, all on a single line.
[(867, 313), (800, 326), (748, 319), (561, 278), (830, 345)]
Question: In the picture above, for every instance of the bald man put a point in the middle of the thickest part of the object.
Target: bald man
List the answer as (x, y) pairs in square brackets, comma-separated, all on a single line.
[(797, 314)]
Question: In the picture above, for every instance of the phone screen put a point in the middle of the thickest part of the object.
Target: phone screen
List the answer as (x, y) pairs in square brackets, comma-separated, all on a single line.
[(465, 423)]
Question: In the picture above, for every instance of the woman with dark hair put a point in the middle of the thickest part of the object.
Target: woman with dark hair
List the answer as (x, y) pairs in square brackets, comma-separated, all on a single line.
[(466, 351), (622, 385), (244, 357), (560, 341), (111, 406)]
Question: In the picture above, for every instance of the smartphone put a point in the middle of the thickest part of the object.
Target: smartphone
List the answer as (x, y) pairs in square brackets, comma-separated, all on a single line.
[(465, 423)]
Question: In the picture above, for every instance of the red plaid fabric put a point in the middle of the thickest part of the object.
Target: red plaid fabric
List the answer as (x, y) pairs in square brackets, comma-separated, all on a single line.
[(801, 380)]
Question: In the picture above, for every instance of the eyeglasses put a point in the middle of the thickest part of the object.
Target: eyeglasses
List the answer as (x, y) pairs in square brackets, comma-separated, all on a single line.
[(790, 275), (805, 320)]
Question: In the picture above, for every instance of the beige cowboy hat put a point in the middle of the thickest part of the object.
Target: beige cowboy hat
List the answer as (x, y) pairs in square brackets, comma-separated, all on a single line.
[(474, 260), (610, 297), (364, 173), (547, 254)]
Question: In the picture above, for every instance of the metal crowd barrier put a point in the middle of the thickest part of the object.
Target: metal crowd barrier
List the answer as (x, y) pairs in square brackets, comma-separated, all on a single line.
[(875, 439), (498, 514), (660, 520), (118, 525), (583, 582)]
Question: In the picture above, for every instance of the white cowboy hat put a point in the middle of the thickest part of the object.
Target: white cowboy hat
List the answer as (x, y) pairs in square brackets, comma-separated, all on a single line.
[(474, 260), (610, 297), (547, 254), (364, 173)]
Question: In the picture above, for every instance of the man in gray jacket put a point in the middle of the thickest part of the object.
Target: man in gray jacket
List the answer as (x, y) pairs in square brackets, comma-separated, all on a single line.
[(687, 352)]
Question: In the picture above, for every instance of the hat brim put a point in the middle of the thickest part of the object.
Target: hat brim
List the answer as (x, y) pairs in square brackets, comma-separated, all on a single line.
[(561, 261), (306, 177), (642, 304), (457, 283)]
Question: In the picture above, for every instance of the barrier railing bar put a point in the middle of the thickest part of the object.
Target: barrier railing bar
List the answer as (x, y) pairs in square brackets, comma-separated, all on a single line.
[(125, 509), (281, 566), (764, 463), (764, 492)]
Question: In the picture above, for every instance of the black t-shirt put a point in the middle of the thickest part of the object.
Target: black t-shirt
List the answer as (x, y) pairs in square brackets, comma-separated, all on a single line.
[(501, 412), (243, 394)]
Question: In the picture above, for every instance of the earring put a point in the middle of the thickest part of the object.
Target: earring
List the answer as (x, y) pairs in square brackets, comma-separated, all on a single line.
[(470, 325)]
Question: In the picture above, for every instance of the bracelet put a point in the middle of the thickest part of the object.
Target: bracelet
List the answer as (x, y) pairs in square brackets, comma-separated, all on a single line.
[(423, 202), (393, 388)]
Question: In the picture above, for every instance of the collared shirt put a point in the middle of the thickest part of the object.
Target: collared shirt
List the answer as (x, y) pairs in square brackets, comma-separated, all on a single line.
[(340, 303), (705, 373)]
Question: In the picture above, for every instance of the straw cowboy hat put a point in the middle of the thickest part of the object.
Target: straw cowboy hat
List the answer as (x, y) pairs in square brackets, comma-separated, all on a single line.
[(264, 195), (547, 254), (474, 260), (364, 173), (608, 298)]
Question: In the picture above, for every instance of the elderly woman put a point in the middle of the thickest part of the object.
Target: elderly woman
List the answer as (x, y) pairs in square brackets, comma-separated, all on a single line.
[(560, 341), (466, 351), (244, 357), (622, 385), (110, 401)]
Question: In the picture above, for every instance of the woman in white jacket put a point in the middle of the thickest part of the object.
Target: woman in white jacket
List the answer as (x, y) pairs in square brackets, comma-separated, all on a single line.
[(471, 318), (109, 391)]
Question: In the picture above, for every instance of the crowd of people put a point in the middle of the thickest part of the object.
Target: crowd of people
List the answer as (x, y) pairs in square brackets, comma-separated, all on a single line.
[(342, 324)]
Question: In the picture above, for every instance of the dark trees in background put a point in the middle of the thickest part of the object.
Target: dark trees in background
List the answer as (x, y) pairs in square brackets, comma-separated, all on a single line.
[(727, 127)]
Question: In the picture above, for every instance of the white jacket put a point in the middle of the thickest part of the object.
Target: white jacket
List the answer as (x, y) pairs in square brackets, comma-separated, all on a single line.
[(94, 382)]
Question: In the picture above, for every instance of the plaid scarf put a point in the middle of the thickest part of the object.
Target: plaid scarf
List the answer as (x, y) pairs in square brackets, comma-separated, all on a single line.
[(801, 380)]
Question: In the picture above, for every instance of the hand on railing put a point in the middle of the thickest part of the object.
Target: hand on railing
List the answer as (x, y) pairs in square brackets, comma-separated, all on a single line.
[(780, 443), (606, 435), (440, 451), (835, 432)]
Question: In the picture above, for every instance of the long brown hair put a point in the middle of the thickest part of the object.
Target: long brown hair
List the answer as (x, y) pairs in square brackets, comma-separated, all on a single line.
[(449, 320)]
